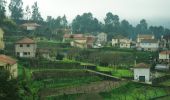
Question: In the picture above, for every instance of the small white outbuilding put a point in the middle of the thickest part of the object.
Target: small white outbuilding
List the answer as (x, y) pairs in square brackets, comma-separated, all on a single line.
[(142, 73)]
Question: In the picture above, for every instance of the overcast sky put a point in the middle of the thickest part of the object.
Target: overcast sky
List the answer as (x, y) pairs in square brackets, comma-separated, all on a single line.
[(154, 11)]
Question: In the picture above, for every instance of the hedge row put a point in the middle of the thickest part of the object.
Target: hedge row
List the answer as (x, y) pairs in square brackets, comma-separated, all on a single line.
[(160, 79), (39, 75), (37, 63)]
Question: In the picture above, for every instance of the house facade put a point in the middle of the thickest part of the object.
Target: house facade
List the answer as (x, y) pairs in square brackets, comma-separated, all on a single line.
[(142, 73), (1, 39), (164, 56), (125, 43), (25, 48), (9, 64), (121, 43), (148, 45), (30, 26)]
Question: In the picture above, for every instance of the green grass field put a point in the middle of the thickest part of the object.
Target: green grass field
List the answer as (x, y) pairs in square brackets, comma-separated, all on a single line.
[(134, 91), (116, 72), (166, 83)]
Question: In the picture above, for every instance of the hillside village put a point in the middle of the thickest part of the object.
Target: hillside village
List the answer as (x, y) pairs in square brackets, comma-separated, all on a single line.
[(52, 60), (29, 54)]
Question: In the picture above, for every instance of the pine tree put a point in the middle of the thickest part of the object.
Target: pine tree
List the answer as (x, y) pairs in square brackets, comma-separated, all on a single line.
[(36, 16), (15, 7), (27, 12), (2, 9)]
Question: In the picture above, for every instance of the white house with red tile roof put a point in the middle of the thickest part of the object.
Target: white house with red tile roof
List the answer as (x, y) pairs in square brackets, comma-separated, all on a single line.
[(142, 73), (9, 64), (26, 48)]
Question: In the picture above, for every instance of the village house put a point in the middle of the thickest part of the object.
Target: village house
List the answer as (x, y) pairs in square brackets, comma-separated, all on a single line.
[(142, 73), (147, 42), (101, 39), (70, 37), (25, 48), (121, 42), (1, 39), (9, 64), (148, 45), (85, 42), (30, 26), (164, 56)]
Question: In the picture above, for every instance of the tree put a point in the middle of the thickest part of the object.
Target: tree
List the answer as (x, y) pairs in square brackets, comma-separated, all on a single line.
[(64, 21), (125, 28), (59, 56), (157, 31), (2, 9), (36, 16), (27, 12), (86, 23), (112, 24), (15, 7), (142, 28), (8, 87)]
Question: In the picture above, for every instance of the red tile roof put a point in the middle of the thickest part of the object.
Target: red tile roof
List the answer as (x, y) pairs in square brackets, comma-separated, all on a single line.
[(142, 65), (165, 52), (73, 35), (30, 24), (145, 36), (7, 60), (26, 41)]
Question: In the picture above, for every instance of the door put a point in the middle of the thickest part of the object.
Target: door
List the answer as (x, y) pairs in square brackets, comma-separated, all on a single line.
[(21, 54), (142, 78)]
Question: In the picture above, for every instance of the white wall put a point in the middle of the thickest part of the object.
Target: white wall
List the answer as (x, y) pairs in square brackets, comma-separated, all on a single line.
[(142, 72), (30, 28), (114, 42), (164, 56), (149, 45), (124, 45)]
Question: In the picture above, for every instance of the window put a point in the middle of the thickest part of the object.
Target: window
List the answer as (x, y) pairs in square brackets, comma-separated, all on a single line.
[(18, 53), (28, 53), (25, 53), (28, 45), (21, 45)]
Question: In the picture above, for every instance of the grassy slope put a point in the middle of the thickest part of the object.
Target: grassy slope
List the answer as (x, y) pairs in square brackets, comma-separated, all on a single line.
[(133, 91), (116, 72)]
